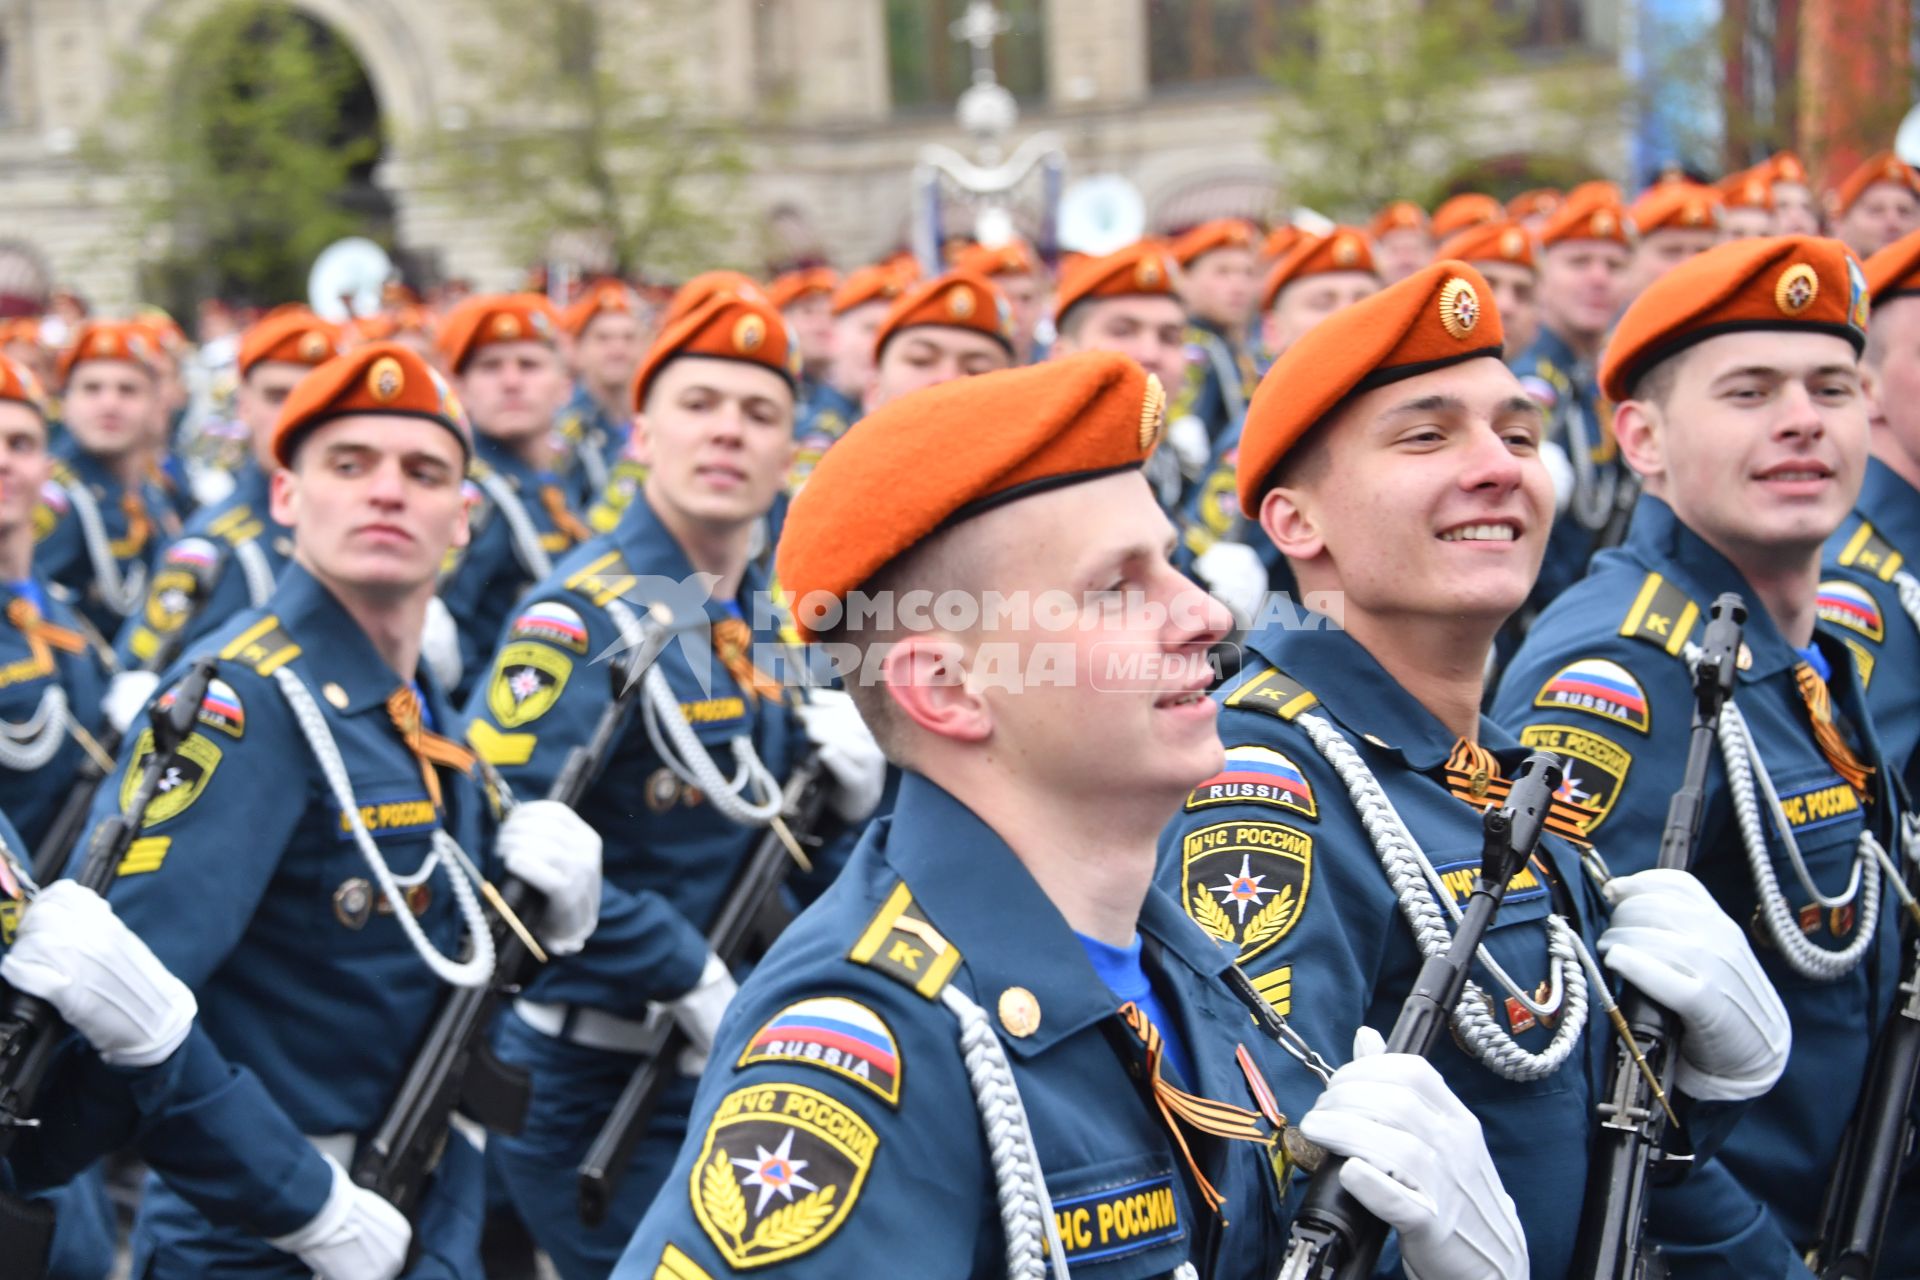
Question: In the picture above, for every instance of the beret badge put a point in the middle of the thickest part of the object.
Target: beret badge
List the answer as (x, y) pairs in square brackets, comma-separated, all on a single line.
[(386, 380), (1459, 308)]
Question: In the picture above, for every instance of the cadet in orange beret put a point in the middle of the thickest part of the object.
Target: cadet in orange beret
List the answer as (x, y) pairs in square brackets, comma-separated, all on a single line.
[(1402, 240), (1317, 277), (858, 306), (1221, 287), (1673, 221), (1875, 205), (104, 516), (1022, 277), (805, 297), (232, 551), (713, 404), (606, 335), (21, 342), (285, 923), (1001, 933), (1469, 209), (952, 326), (503, 350), (1739, 405), (1502, 252), (1746, 203), (1795, 211), (1394, 459), (1532, 208)]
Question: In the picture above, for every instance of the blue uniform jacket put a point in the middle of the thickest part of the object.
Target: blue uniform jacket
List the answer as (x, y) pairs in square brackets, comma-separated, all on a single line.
[(247, 884), (1564, 385), (32, 799), (824, 416), (1220, 380), (215, 532), (586, 427), (61, 551), (1861, 604), (1600, 679), (837, 1052)]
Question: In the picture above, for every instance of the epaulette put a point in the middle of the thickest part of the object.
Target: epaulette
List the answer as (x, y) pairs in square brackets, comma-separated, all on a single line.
[(900, 942), (478, 470), (1274, 692), (603, 580), (236, 526), (1870, 553), (1661, 615), (62, 474), (264, 647)]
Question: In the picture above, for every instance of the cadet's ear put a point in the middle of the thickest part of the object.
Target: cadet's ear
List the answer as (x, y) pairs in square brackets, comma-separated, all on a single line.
[(1640, 428), (283, 496), (926, 676), (1870, 388), (1286, 516), (640, 441)]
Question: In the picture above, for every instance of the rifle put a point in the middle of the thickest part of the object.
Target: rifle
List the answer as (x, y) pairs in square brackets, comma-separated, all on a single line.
[(1629, 1149), (1334, 1236), (1860, 1194), (455, 1068), (70, 822), (30, 1029), (740, 922)]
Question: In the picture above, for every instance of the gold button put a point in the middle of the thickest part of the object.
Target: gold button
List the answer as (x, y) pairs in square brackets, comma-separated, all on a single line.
[(1019, 1012)]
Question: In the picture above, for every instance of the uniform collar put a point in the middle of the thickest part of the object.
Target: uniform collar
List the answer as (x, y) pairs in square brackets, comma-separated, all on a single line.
[(1658, 539), (1893, 507), (333, 647), (1551, 347), (649, 547), (980, 896), (251, 489), (497, 456), (589, 410), (90, 469), (828, 398)]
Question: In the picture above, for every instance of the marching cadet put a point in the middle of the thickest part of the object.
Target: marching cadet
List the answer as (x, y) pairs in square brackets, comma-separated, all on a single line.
[(1402, 240), (1795, 211), (233, 549), (804, 299), (507, 371), (1219, 283), (992, 1047), (1532, 208), (310, 873), (605, 341), (1469, 209), (410, 325), (1394, 460), (1746, 203), (955, 325), (697, 770), (858, 306), (103, 514), (1583, 256), (1022, 278), (1871, 598), (1502, 252), (1738, 403), (52, 673), (1875, 205), (1672, 222)]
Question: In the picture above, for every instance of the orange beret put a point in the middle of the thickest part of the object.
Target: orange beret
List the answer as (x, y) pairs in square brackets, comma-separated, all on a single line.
[(384, 378), (725, 327), (1457, 213), (692, 295), (164, 329), (789, 287), (290, 337), (1675, 206), (25, 330), (1747, 189), (1884, 167), (878, 283), (1440, 315), (1279, 240), (1221, 233), (108, 340), (1502, 241), (1143, 268), (1401, 215), (18, 384), (386, 324), (1014, 258), (1344, 249), (489, 318), (956, 300), (1894, 272), (1786, 167), (604, 295), (1540, 200), (1591, 211), (922, 463), (1772, 282)]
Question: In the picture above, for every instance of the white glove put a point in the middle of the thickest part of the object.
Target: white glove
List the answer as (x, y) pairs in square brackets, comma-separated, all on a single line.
[(126, 698), (699, 1012), (553, 849), (1232, 571), (355, 1236), (440, 644), (75, 954), (1192, 448), (1560, 467), (848, 752), (1418, 1162), (1670, 939)]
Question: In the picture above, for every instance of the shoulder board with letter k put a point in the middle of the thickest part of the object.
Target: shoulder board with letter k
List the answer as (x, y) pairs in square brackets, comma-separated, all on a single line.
[(265, 647), (1870, 553), (903, 944), (1274, 692), (1661, 615), (603, 580)]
